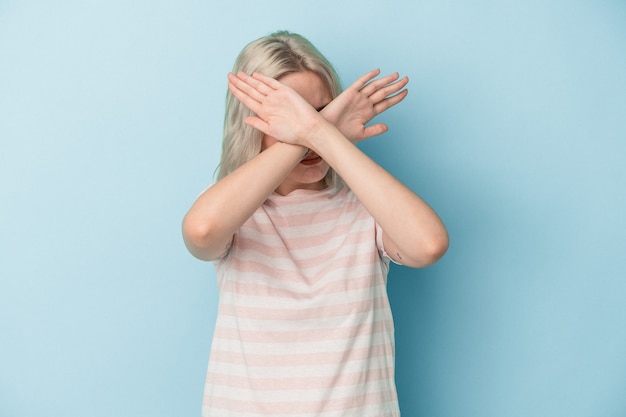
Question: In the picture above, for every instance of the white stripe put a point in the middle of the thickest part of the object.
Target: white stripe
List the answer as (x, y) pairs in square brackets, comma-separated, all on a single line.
[(298, 348), (343, 274), (305, 395), (388, 410), (361, 295), (318, 370)]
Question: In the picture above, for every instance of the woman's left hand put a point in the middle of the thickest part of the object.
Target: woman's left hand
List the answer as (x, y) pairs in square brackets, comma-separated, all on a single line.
[(280, 111), (365, 99)]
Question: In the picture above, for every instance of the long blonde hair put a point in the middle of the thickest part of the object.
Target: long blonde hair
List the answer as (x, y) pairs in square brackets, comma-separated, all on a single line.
[(275, 56)]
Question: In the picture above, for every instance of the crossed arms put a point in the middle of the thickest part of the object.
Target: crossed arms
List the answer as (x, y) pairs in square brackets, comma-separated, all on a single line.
[(414, 235)]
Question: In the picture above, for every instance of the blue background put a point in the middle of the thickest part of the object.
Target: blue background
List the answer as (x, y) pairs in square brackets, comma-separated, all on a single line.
[(514, 131)]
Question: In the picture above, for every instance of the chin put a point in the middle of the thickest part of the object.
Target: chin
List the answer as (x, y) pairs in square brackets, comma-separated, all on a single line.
[(312, 175)]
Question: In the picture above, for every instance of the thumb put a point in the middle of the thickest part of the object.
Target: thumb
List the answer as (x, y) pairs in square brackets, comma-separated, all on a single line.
[(374, 130), (256, 123)]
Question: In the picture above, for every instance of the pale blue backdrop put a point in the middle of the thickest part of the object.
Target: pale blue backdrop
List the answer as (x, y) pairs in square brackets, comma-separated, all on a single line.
[(514, 130)]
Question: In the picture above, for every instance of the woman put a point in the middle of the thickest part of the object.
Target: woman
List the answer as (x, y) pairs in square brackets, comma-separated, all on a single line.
[(301, 226)]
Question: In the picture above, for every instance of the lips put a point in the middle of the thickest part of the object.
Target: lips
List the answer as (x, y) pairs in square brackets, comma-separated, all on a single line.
[(311, 158)]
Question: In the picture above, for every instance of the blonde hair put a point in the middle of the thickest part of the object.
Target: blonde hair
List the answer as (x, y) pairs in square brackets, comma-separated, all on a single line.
[(275, 56)]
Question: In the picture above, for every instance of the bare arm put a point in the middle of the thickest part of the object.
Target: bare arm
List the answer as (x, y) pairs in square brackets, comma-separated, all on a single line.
[(216, 215), (413, 233)]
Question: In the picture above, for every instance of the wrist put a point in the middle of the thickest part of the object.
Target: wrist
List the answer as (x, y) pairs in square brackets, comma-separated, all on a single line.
[(324, 138), (329, 116), (317, 131), (291, 151)]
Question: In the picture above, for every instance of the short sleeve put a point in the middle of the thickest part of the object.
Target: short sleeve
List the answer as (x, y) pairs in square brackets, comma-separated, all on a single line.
[(381, 248)]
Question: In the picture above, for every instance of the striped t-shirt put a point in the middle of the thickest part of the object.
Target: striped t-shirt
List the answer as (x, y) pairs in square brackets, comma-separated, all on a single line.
[(304, 327)]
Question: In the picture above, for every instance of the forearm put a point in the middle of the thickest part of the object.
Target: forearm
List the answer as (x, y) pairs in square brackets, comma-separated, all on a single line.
[(220, 211), (414, 234)]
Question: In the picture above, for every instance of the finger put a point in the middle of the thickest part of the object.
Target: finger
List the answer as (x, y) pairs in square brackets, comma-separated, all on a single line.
[(275, 84), (375, 85), (268, 81), (364, 79), (260, 86), (241, 87), (252, 87), (244, 98), (388, 90), (390, 101), (256, 123), (374, 130)]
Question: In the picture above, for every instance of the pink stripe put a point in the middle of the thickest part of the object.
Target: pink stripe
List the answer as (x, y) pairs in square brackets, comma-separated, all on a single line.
[(290, 314), (283, 274), (302, 383), (299, 197), (337, 333), (343, 285), (305, 359), (301, 407), (327, 261), (309, 241), (312, 216)]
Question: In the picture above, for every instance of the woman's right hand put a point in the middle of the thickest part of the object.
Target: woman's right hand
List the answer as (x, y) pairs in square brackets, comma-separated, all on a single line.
[(280, 112), (365, 99)]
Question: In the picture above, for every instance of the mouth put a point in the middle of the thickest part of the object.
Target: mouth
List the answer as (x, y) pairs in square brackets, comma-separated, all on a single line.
[(311, 159)]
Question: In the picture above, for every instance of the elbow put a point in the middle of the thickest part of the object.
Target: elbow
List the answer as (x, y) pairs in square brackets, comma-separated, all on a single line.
[(437, 248), (194, 235), (428, 252), (199, 238)]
